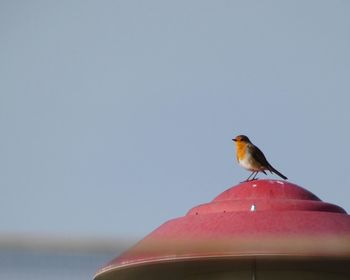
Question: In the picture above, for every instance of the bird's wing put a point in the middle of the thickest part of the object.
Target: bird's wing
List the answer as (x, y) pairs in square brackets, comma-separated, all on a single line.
[(260, 157)]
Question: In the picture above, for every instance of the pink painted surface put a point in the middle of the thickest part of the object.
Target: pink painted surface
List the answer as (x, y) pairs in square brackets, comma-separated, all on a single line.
[(257, 218)]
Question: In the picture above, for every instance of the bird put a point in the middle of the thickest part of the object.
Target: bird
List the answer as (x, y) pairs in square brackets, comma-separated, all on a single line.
[(252, 158)]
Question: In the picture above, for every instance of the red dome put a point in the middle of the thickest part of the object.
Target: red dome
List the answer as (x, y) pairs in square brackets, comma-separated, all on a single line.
[(264, 195), (261, 217)]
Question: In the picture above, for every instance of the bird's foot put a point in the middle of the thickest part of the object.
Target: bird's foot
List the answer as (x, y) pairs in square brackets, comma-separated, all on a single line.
[(248, 180)]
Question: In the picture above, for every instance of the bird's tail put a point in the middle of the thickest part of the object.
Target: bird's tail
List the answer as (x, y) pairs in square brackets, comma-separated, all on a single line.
[(277, 172)]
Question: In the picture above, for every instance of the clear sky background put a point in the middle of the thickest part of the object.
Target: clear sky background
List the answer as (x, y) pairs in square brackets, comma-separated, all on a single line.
[(117, 116)]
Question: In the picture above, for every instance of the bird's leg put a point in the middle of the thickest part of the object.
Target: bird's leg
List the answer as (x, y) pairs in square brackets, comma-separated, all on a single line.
[(254, 177), (250, 176), (246, 180)]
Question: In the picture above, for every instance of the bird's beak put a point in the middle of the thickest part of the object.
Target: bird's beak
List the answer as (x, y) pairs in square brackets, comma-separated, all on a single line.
[(234, 140)]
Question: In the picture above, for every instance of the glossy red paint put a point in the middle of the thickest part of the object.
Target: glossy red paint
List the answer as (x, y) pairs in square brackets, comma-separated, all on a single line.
[(256, 218)]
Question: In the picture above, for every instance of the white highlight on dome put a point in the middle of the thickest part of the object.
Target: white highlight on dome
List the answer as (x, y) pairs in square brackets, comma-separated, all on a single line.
[(253, 208)]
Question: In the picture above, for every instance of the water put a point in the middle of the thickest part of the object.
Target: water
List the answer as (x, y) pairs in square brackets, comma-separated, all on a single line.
[(51, 265)]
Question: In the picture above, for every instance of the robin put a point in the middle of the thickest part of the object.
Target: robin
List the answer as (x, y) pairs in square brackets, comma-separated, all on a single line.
[(251, 158)]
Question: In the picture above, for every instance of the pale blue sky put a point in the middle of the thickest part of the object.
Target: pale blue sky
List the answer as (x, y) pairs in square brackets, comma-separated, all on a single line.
[(116, 116)]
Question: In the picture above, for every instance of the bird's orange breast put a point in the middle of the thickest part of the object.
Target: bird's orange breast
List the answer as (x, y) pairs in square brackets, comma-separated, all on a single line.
[(241, 150)]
